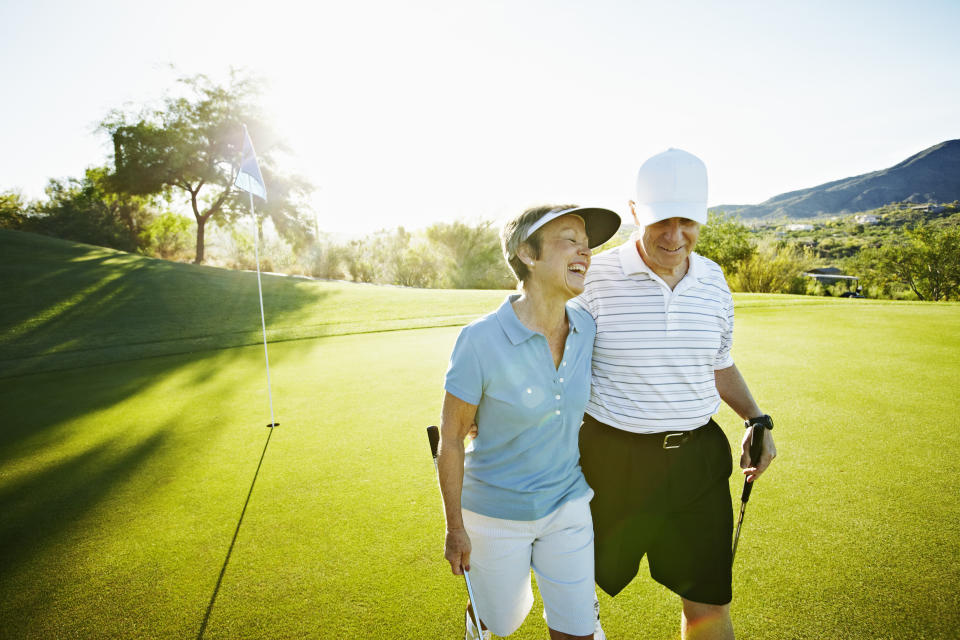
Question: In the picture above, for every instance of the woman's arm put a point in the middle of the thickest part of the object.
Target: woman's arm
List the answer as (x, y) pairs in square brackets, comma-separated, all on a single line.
[(455, 421)]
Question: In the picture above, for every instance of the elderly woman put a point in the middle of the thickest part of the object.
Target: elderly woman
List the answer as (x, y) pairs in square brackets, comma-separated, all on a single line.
[(515, 499)]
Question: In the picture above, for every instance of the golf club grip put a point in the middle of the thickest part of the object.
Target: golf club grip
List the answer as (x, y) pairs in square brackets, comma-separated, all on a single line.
[(434, 435), (756, 450)]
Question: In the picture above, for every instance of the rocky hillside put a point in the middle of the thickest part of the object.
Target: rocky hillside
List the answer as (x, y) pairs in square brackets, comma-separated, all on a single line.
[(933, 175)]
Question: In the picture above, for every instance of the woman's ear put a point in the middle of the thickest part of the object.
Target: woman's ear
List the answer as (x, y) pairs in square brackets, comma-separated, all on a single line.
[(525, 255)]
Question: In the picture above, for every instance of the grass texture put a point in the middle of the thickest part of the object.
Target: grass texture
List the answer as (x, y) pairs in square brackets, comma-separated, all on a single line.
[(73, 305), (123, 480)]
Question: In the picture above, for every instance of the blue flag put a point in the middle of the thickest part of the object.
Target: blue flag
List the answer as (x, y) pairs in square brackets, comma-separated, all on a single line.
[(249, 178)]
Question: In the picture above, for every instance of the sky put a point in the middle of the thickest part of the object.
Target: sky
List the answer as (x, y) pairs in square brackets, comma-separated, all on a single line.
[(422, 111)]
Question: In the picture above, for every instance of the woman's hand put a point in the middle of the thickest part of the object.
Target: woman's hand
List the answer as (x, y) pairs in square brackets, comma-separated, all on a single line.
[(456, 549)]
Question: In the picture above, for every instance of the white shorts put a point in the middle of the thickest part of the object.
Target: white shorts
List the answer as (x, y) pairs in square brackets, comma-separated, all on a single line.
[(559, 549)]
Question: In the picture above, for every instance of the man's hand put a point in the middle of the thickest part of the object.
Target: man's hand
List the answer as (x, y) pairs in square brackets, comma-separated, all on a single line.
[(456, 549), (766, 457)]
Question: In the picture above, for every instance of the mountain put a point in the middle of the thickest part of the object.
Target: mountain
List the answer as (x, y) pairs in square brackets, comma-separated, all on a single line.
[(933, 175)]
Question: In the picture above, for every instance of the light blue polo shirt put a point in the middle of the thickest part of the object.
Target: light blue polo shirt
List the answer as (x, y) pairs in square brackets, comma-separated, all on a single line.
[(525, 461)]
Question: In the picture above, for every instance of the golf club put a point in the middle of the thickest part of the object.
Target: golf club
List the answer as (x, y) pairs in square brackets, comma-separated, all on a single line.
[(756, 449), (433, 434)]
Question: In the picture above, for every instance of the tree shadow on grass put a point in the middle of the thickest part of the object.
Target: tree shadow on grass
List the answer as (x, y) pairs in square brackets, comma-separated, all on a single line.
[(41, 413), (85, 307), (67, 305), (45, 506), (42, 505)]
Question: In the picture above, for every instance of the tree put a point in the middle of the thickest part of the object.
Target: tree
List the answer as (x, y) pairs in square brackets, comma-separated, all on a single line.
[(927, 261), (192, 145), (12, 210), (726, 241), (472, 255), (87, 210), (417, 265)]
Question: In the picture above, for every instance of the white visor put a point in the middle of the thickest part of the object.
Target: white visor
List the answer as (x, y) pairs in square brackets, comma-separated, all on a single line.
[(600, 224)]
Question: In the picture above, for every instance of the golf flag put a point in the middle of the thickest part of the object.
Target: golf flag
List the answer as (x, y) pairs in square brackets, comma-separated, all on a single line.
[(249, 178)]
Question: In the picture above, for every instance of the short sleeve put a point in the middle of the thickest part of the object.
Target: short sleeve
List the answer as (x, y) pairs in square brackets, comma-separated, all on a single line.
[(724, 357), (464, 374)]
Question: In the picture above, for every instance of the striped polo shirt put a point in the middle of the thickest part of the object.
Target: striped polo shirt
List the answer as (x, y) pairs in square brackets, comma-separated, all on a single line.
[(656, 349)]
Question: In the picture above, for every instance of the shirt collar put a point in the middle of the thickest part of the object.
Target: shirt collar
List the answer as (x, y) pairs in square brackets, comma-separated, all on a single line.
[(518, 332)]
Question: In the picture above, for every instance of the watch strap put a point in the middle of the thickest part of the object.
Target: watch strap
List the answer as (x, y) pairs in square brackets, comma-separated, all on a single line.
[(764, 421)]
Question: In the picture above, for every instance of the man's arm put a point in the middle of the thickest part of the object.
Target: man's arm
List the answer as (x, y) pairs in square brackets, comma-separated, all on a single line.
[(456, 418), (734, 391)]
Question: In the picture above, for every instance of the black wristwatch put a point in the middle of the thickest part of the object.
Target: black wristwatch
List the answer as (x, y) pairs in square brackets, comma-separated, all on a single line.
[(764, 421)]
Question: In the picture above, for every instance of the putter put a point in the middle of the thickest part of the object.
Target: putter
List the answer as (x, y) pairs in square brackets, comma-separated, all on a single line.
[(756, 449), (433, 434)]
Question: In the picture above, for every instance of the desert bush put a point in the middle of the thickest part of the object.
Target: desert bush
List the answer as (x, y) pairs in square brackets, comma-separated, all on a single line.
[(773, 269), (233, 247), (325, 260), (168, 236), (417, 266), (470, 256)]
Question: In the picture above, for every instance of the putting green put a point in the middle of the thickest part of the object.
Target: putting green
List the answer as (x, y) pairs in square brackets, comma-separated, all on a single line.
[(121, 486)]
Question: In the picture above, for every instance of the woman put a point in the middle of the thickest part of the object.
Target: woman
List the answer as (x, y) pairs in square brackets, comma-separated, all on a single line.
[(516, 498)]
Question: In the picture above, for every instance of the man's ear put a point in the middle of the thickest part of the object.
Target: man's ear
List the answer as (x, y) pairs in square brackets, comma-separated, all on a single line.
[(633, 211)]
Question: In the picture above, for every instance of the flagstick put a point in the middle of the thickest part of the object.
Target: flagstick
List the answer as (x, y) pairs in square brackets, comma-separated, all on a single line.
[(263, 322)]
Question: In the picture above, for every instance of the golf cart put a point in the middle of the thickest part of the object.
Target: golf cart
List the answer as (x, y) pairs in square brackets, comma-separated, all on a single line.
[(829, 276)]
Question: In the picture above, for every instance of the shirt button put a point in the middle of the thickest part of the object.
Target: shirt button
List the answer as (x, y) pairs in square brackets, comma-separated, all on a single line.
[(564, 363), (558, 411), (557, 396), (561, 379)]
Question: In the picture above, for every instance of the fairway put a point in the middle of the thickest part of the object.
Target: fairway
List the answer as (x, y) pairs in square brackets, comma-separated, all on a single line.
[(122, 482)]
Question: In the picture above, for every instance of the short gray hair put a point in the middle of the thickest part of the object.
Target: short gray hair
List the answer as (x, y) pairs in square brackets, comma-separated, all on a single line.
[(513, 232)]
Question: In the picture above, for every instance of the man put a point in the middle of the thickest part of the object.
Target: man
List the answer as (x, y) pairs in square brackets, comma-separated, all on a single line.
[(657, 462)]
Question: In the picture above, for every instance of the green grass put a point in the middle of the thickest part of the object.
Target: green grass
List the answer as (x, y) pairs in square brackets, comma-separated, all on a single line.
[(122, 482), (67, 305)]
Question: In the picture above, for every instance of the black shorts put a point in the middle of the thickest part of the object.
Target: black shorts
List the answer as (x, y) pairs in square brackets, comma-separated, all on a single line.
[(666, 496)]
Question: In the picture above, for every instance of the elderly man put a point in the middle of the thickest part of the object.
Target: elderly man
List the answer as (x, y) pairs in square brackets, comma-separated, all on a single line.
[(658, 463)]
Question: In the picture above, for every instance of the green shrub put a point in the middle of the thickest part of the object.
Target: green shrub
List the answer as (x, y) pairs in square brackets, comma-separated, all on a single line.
[(168, 236), (726, 241), (12, 210), (325, 260), (773, 269)]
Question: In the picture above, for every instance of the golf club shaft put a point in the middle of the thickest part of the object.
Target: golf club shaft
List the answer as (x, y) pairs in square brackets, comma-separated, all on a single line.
[(756, 450), (736, 536), (433, 434)]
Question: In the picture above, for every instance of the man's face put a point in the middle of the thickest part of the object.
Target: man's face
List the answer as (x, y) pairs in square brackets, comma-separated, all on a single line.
[(666, 245)]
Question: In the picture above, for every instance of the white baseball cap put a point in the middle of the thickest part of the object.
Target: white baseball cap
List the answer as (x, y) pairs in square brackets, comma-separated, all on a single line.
[(672, 184)]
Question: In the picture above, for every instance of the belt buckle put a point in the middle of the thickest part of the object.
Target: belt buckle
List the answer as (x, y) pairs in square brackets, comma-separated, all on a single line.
[(666, 440)]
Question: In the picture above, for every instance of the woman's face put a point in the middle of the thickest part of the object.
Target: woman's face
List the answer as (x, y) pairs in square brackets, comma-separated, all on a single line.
[(564, 256)]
